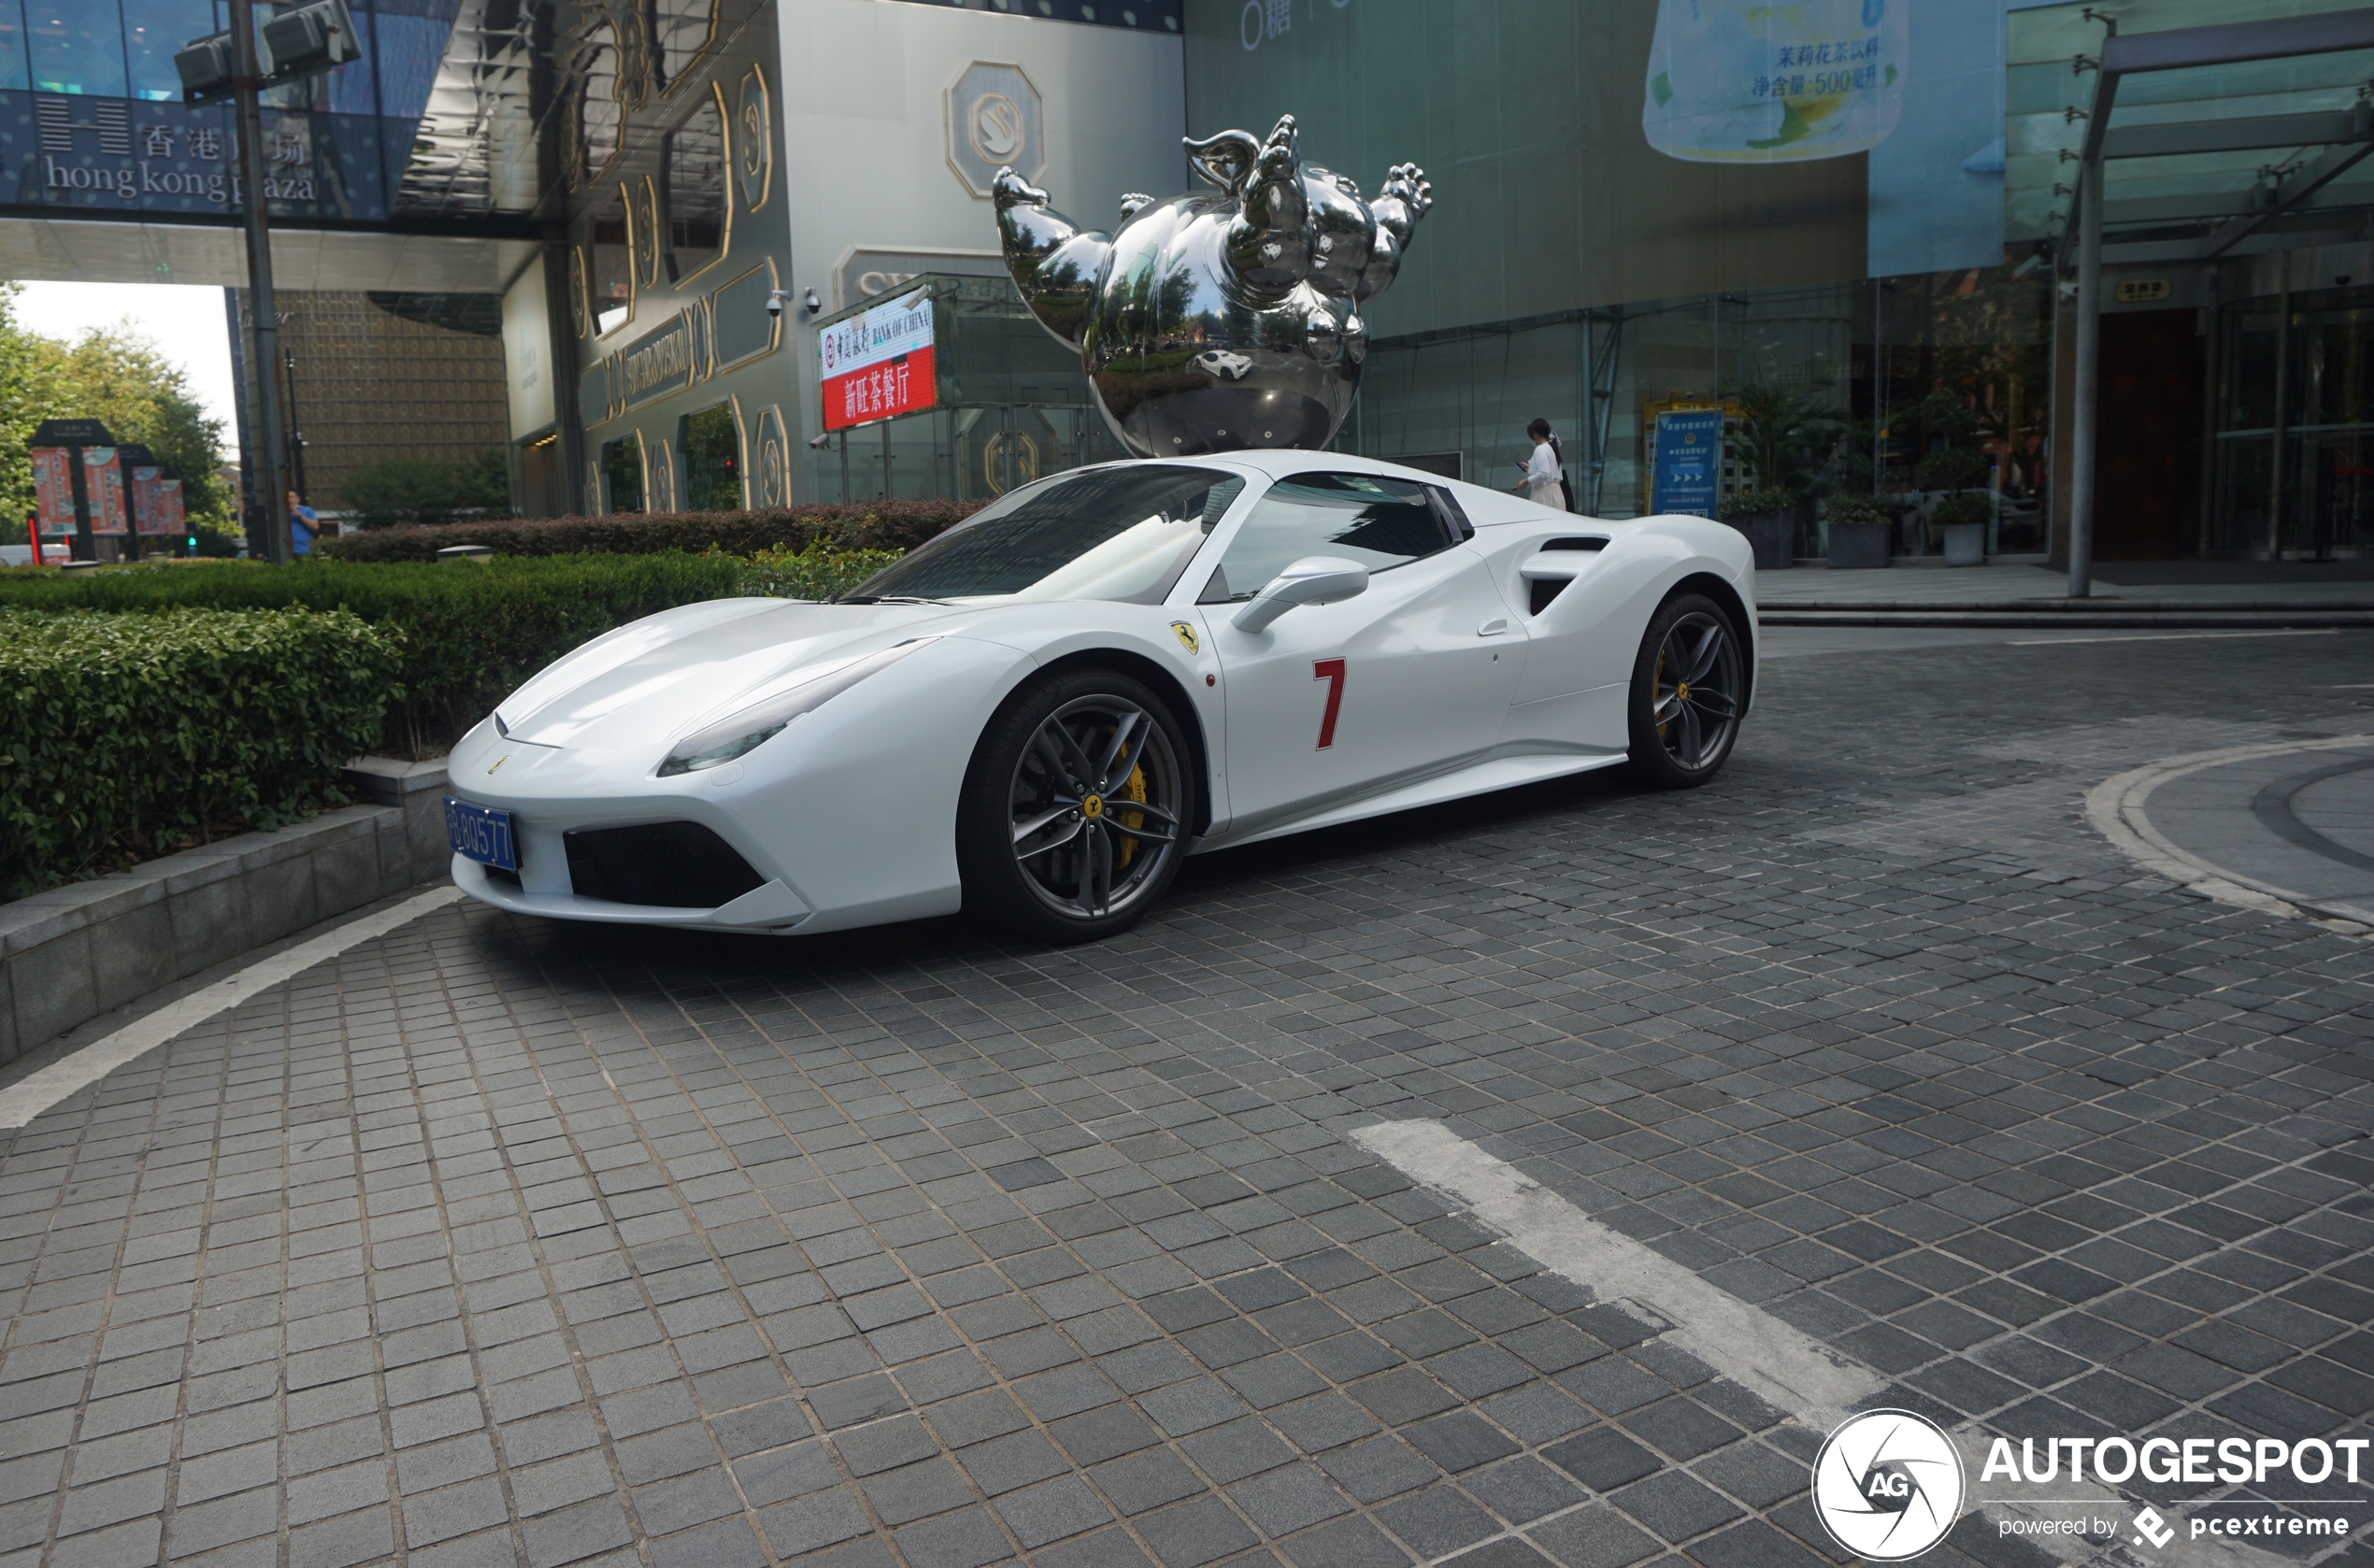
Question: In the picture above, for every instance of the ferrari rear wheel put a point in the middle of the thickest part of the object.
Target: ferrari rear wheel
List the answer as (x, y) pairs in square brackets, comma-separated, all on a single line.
[(1689, 686), (1076, 809)]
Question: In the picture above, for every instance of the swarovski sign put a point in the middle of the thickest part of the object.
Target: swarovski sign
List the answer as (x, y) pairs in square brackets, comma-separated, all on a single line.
[(994, 117)]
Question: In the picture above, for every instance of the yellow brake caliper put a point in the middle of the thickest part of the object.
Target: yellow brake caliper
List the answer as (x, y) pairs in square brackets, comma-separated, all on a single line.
[(1134, 790)]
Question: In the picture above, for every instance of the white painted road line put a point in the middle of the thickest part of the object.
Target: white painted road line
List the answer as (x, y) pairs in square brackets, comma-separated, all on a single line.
[(1781, 1363), (1746, 1344), (19, 1103), (2172, 637)]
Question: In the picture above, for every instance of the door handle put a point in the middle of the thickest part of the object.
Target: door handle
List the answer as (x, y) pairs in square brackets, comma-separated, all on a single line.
[(1493, 627)]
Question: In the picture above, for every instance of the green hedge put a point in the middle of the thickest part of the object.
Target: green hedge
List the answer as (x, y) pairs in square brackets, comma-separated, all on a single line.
[(125, 736), (874, 525), (469, 632)]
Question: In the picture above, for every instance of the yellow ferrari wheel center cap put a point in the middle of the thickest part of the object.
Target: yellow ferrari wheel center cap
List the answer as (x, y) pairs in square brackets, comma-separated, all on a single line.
[(1682, 693), (1092, 807)]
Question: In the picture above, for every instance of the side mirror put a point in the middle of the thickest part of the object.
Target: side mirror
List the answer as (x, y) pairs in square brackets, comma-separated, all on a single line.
[(1315, 580)]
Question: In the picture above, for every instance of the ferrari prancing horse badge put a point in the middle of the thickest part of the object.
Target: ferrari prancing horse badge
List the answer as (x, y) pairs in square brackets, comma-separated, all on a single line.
[(1186, 635)]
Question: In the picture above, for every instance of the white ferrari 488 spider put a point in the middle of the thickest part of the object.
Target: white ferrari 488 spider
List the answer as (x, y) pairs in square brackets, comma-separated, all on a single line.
[(1036, 715)]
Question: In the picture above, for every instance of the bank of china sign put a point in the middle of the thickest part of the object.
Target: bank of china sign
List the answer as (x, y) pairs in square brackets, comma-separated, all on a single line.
[(878, 365), (1888, 1485)]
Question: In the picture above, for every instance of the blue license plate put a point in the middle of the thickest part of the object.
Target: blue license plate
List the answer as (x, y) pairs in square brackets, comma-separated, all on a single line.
[(481, 834)]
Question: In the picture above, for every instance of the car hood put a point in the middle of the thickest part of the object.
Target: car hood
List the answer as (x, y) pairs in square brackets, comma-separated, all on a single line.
[(664, 674)]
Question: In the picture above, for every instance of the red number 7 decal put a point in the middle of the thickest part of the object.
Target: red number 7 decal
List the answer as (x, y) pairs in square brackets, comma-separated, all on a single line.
[(1332, 671)]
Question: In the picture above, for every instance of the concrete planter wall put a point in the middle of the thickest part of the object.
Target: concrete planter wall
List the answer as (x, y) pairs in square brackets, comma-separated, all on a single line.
[(1965, 543), (1773, 536), (1858, 546), (72, 953)]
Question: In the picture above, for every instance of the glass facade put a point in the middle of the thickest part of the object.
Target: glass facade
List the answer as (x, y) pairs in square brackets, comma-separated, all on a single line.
[(1013, 406), (1640, 212)]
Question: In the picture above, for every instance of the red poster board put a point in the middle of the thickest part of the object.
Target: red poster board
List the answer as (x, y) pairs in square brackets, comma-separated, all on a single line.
[(878, 365), (103, 485), (152, 513), (176, 520), (53, 490)]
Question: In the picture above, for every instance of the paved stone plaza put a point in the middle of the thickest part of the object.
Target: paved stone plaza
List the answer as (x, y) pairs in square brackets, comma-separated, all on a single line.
[(496, 1241)]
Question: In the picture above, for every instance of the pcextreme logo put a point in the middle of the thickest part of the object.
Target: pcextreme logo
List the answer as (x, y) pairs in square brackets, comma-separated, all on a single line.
[(1888, 1485)]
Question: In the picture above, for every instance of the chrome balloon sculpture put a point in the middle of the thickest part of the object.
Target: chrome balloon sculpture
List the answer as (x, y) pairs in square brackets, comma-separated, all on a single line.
[(1213, 322)]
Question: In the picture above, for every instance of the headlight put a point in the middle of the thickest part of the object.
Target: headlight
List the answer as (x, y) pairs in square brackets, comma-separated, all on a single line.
[(762, 721)]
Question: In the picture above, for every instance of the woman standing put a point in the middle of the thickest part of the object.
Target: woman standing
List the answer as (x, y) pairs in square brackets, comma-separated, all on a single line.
[(1545, 483)]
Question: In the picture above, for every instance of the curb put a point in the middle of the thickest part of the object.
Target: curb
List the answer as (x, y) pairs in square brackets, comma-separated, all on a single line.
[(72, 953), (2115, 807)]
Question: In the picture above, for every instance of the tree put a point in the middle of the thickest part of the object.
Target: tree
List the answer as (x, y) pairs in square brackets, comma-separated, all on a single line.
[(28, 390), (421, 490), (116, 376), (1784, 440)]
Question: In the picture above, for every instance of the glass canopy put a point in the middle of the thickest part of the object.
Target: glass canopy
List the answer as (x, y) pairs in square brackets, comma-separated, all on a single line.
[(2187, 151)]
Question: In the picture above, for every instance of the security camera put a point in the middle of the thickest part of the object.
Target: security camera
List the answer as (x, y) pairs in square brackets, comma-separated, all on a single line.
[(815, 306), (821, 442), (775, 298)]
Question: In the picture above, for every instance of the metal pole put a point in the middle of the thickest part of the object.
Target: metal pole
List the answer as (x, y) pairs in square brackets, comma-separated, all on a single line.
[(297, 434), (272, 489), (2282, 385), (86, 545), (2088, 379)]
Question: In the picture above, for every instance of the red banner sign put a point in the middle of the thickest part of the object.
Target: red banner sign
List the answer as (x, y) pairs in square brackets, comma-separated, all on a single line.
[(103, 487), (53, 490), (878, 365)]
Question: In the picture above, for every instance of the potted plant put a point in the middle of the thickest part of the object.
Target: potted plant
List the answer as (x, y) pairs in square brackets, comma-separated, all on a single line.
[(1858, 532), (1764, 514), (1960, 520), (1955, 461)]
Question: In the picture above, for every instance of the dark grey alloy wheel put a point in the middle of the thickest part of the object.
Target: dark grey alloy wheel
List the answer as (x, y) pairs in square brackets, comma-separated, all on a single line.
[(1689, 689), (1077, 809)]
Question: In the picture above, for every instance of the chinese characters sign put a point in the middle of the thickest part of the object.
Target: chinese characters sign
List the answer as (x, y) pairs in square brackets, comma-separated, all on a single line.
[(1688, 461), (878, 365), (1748, 81), (133, 154)]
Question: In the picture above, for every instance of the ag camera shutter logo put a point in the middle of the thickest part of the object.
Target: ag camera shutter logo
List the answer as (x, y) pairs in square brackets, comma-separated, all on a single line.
[(1887, 1485)]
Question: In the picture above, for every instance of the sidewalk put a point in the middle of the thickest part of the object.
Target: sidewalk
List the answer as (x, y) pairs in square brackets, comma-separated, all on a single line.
[(2199, 584)]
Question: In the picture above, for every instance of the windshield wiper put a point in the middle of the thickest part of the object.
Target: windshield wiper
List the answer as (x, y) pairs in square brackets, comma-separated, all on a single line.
[(886, 599)]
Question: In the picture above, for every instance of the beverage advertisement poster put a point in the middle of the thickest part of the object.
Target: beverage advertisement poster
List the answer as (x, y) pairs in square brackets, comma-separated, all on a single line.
[(53, 488), (103, 483)]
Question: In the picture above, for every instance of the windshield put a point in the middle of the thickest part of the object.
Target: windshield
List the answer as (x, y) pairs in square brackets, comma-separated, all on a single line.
[(1122, 534)]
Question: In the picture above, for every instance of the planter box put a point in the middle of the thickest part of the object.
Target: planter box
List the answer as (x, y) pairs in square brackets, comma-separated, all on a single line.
[(1773, 536), (1965, 544), (1859, 546), (74, 952)]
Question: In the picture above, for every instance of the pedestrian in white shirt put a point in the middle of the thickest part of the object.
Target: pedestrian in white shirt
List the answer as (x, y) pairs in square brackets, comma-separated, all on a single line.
[(1545, 478)]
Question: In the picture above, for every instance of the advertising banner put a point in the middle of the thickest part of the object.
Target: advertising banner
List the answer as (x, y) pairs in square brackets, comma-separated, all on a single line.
[(53, 490), (1689, 462), (103, 483), (878, 365), (1743, 81), (156, 500)]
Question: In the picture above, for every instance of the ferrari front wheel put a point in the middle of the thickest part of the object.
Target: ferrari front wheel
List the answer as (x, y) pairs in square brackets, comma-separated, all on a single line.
[(1689, 686), (1076, 809)]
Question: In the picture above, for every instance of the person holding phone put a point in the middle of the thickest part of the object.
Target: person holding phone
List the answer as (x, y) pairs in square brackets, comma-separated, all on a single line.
[(1544, 483)]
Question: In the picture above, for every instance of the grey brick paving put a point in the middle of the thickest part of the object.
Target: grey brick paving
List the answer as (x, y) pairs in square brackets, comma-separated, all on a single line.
[(501, 1242)]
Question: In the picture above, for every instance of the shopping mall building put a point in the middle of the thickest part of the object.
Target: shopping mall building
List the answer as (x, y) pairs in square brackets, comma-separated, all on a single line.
[(1813, 215)]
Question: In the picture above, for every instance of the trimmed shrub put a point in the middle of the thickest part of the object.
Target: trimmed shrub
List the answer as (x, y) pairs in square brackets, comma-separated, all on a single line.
[(892, 525), (126, 735), (469, 632), (818, 572)]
